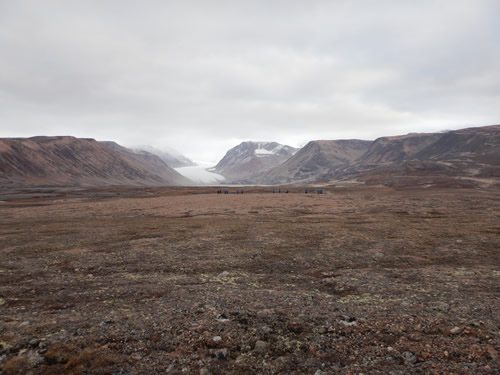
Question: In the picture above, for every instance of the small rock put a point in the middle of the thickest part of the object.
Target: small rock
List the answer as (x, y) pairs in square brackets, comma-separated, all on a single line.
[(266, 329), (322, 330), (409, 357), (171, 367), (223, 274), (492, 352), (324, 353), (349, 322), (319, 372), (219, 353), (441, 306), (42, 345), (136, 357), (204, 371), (216, 339), (222, 318), (260, 346), (34, 358), (265, 312), (455, 330)]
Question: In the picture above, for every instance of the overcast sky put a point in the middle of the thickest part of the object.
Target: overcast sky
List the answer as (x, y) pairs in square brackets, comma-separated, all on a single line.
[(203, 76)]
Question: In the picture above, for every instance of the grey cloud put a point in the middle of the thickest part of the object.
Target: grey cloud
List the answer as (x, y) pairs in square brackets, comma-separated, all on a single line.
[(201, 76)]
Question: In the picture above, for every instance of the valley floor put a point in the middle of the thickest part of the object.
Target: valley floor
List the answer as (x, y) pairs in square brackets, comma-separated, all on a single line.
[(182, 280)]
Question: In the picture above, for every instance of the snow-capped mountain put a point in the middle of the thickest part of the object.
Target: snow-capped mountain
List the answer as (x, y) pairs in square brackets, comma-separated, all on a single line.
[(315, 160), (250, 158)]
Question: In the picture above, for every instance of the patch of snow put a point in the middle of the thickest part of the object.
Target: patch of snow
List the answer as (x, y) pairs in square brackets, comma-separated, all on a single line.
[(263, 152), (278, 148), (200, 175)]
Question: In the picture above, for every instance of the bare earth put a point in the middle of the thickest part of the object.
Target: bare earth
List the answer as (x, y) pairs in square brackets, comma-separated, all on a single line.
[(182, 280)]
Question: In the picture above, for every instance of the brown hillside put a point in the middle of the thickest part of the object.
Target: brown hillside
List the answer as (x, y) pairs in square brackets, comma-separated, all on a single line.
[(78, 161)]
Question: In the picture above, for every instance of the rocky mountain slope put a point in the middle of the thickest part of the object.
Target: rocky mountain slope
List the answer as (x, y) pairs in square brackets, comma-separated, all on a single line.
[(316, 159), (250, 158), (171, 157), (457, 158), (80, 161), (471, 145), (397, 149)]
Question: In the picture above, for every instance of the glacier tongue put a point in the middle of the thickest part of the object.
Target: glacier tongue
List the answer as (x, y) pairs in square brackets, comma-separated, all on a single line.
[(200, 175)]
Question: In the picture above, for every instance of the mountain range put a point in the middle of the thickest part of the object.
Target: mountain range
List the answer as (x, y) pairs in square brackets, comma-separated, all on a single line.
[(417, 158), (454, 158)]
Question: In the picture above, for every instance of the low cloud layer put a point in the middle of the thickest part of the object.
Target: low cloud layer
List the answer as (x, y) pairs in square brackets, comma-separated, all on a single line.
[(203, 76)]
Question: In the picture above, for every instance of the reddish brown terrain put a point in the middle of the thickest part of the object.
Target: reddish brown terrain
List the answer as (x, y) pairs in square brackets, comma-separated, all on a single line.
[(357, 280), (472, 153), (70, 161)]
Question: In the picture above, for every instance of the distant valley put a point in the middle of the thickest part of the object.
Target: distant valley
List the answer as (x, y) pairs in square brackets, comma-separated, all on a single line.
[(462, 158)]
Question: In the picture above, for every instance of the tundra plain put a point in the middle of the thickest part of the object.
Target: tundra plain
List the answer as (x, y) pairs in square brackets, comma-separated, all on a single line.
[(369, 280)]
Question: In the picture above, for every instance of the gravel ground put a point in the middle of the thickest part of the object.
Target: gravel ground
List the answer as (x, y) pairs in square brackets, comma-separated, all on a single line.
[(185, 281)]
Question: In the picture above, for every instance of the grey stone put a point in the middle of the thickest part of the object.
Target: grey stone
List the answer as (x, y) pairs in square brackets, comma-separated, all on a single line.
[(260, 346), (220, 354), (409, 357), (34, 358)]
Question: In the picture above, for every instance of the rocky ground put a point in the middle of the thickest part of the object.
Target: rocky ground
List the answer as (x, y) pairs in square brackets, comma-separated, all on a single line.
[(354, 281)]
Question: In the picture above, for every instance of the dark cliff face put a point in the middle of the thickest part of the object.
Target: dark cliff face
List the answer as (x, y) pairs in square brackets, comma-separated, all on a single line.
[(472, 144), (79, 161), (315, 159), (250, 158), (461, 158), (398, 149)]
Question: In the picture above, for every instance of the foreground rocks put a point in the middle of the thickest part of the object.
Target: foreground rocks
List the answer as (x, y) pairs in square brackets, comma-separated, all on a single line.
[(166, 281)]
